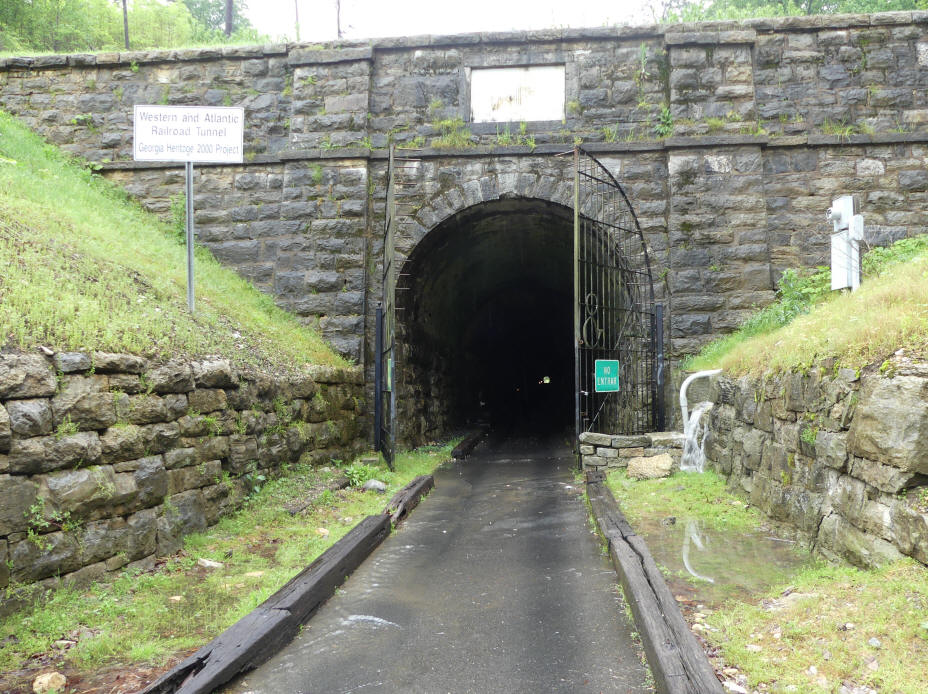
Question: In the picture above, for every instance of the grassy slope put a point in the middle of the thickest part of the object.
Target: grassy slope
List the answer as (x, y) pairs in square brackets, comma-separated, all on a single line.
[(775, 641), (85, 268), (888, 312), (700, 497), (821, 638)]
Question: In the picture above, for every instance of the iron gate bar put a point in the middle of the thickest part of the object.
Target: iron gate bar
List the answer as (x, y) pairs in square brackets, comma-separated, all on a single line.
[(614, 312), (378, 377), (577, 418), (386, 383)]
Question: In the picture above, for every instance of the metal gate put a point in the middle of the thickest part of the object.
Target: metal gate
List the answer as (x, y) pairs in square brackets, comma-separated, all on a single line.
[(618, 334), (384, 363)]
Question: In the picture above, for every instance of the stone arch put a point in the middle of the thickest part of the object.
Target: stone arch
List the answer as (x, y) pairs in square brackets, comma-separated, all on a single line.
[(446, 249)]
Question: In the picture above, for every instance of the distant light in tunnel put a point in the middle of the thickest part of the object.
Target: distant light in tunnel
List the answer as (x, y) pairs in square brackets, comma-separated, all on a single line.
[(545, 381)]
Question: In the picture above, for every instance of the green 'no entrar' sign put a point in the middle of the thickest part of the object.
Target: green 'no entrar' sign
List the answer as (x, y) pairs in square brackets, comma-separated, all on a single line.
[(607, 375)]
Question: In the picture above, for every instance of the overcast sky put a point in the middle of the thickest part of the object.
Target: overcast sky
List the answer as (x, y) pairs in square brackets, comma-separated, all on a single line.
[(374, 18)]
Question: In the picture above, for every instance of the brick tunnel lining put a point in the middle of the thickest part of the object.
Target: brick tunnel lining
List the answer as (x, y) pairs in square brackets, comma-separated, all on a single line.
[(485, 322)]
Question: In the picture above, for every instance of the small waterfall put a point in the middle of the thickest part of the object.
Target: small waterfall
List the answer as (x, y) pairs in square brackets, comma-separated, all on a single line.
[(694, 433)]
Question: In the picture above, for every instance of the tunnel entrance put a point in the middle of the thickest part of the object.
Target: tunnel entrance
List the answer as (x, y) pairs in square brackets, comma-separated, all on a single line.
[(522, 313), (485, 322)]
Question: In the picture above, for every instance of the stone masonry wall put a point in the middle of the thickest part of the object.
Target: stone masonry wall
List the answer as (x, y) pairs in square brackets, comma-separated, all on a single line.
[(769, 119), (658, 452), (841, 456), (108, 460)]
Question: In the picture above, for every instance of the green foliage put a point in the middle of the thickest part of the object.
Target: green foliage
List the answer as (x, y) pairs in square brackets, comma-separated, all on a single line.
[(839, 128), (451, 134), (358, 473), (507, 138), (881, 258), (664, 125), (283, 410), (418, 142), (35, 516), (641, 75), (59, 25), (66, 26), (41, 520), (209, 22), (212, 424), (254, 479), (179, 217), (809, 435), (66, 428), (688, 11)]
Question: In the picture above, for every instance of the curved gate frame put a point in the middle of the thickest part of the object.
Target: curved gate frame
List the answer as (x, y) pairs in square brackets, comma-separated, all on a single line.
[(385, 347), (615, 316)]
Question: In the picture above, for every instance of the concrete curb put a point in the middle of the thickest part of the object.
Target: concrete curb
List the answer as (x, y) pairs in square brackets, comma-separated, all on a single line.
[(677, 661), (265, 630)]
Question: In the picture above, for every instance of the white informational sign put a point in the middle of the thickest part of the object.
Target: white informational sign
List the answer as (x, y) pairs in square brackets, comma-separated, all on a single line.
[(199, 134), (513, 94), (845, 242)]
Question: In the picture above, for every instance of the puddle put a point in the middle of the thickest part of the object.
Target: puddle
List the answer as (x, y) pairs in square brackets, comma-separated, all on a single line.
[(709, 566)]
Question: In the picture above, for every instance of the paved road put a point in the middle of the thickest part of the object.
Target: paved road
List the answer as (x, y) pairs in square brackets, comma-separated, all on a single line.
[(494, 584)]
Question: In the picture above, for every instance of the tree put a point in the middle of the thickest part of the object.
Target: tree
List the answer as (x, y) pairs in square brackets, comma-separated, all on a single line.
[(58, 25), (211, 14), (125, 23), (699, 10), (153, 24)]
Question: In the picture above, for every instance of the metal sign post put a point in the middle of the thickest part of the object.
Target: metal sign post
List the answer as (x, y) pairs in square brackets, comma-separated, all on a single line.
[(188, 134), (188, 170)]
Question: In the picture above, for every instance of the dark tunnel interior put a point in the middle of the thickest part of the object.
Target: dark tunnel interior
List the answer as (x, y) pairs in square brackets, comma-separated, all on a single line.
[(486, 320)]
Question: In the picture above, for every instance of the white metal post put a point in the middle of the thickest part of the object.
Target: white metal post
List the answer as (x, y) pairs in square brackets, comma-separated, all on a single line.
[(189, 182)]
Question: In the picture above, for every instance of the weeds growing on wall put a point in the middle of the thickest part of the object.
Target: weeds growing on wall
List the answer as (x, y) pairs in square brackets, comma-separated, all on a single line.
[(451, 134)]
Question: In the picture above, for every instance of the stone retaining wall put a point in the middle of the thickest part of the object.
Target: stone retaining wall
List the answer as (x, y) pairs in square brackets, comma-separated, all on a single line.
[(108, 460), (648, 455), (842, 457)]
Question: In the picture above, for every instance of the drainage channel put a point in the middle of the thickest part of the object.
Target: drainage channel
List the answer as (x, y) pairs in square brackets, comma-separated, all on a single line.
[(495, 583)]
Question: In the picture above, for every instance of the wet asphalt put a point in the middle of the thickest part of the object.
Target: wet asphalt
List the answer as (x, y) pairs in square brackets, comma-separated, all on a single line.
[(495, 583)]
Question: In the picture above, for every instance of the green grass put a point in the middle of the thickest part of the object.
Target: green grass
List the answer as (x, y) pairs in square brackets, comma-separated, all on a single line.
[(889, 604), (134, 618), (451, 134), (774, 639), (809, 322), (86, 268), (700, 497)]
